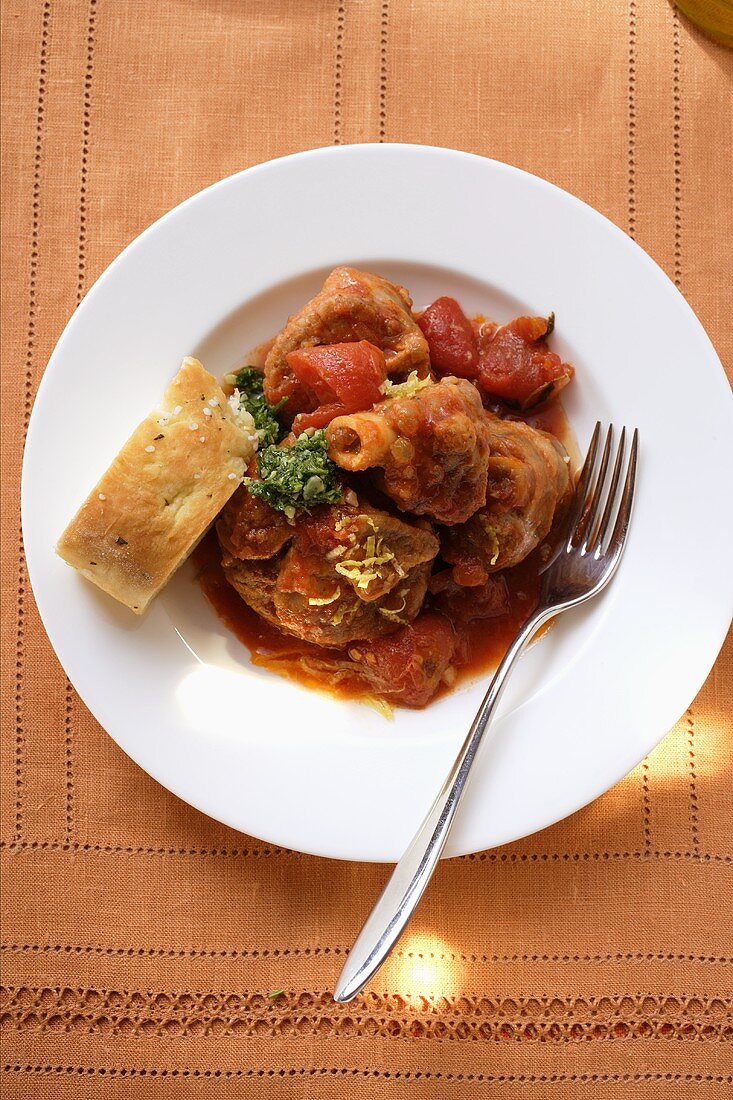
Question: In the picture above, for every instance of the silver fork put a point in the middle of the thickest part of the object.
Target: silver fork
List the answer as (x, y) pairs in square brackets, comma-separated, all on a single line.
[(587, 556)]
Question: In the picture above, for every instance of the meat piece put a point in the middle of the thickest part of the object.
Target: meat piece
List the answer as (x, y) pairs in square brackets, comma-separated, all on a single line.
[(517, 366), (347, 618), (250, 528), (362, 549), (459, 604), (342, 378), (352, 305), (528, 479), (255, 581), (408, 667), (350, 572), (430, 449), (451, 339)]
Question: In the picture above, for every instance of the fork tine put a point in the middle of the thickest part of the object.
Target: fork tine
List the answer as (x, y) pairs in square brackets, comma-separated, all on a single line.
[(577, 506), (589, 519), (626, 503), (608, 510)]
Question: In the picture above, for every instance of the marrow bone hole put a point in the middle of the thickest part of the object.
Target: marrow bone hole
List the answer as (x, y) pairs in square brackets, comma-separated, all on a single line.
[(347, 441)]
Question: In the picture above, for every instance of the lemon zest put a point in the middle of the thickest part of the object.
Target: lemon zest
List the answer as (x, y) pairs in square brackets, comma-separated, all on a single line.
[(341, 613), (409, 388), (491, 532), (315, 602), (394, 613), (380, 705), (363, 572)]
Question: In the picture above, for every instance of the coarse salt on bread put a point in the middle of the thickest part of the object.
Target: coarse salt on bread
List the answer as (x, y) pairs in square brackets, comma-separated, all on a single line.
[(163, 490)]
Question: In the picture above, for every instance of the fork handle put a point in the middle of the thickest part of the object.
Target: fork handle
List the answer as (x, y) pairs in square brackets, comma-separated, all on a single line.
[(404, 888)]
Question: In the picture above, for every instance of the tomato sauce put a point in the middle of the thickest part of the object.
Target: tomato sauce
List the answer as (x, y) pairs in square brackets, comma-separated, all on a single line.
[(481, 642), (269, 647)]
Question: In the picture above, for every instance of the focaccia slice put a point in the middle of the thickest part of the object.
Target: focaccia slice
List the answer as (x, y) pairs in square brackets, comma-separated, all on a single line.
[(163, 490)]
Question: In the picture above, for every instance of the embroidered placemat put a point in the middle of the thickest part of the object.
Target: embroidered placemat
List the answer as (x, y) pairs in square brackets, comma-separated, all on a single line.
[(144, 944)]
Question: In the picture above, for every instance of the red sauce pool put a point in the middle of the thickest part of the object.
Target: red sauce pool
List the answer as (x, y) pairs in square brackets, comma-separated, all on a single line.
[(270, 648), (482, 643)]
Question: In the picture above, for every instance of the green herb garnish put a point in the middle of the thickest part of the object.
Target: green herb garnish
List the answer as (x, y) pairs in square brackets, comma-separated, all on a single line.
[(298, 477), (249, 384), (247, 378), (275, 994)]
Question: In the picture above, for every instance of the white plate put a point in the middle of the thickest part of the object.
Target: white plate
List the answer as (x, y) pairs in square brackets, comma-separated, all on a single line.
[(218, 275)]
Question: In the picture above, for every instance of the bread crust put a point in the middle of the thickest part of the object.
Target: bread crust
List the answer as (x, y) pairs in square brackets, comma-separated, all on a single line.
[(162, 492)]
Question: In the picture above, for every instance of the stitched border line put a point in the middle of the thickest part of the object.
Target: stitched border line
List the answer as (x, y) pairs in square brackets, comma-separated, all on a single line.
[(694, 806), (78, 847), (631, 210), (647, 808), (590, 857), (687, 1017), (677, 143), (19, 749), (458, 1003), (316, 952), (85, 146), (350, 1071), (383, 41), (338, 72), (69, 761)]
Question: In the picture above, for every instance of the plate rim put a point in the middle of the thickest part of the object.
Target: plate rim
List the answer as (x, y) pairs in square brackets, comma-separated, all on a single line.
[(326, 152)]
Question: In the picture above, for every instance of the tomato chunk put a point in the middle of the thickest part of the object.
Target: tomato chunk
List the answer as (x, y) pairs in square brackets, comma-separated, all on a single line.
[(517, 366), (451, 339), (341, 377), (323, 416), (408, 666)]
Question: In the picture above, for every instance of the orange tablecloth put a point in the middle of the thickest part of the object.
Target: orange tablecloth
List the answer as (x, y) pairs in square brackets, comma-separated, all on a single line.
[(140, 938)]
